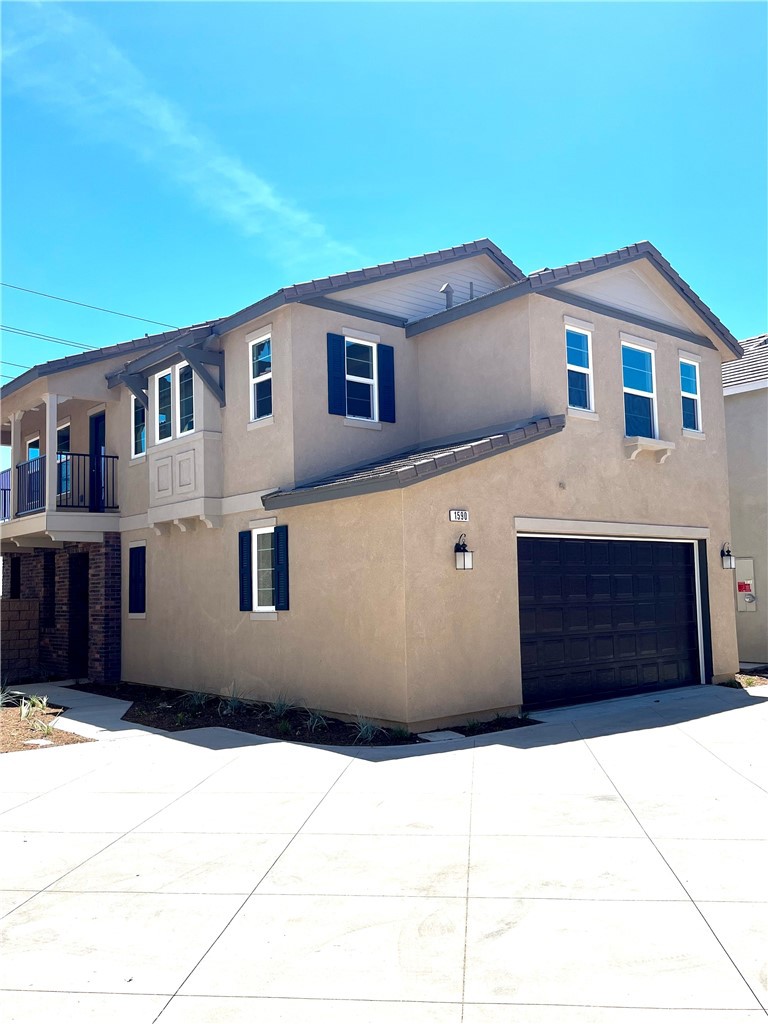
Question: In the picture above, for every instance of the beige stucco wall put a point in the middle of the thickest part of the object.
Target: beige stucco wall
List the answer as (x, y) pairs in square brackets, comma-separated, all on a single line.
[(746, 417), (324, 443), (341, 646), (475, 372)]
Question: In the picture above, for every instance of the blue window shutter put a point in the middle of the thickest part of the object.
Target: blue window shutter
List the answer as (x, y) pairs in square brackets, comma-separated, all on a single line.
[(137, 581), (385, 355), (281, 568), (337, 379), (244, 571)]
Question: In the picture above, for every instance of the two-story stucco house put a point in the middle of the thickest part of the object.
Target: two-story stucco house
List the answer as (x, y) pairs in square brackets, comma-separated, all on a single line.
[(745, 386), (272, 501)]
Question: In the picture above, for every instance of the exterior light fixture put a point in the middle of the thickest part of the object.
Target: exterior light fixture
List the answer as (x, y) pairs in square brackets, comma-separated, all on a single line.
[(729, 559), (463, 556)]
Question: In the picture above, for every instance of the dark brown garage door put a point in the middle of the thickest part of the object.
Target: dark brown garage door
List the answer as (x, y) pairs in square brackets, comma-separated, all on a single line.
[(605, 617)]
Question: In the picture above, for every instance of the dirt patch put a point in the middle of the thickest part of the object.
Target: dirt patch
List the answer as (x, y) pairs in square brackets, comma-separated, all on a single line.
[(743, 680), (173, 711), (33, 733)]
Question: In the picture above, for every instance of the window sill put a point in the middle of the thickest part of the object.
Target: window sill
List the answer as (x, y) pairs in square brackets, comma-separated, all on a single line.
[(137, 459), (137, 615), (263, 616), (265, 421), (697, 435), (661, 449), (582, 414), (365, 424)]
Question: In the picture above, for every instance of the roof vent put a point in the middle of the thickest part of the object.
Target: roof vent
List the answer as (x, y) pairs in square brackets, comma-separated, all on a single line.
[(471, 290), (448, 292)]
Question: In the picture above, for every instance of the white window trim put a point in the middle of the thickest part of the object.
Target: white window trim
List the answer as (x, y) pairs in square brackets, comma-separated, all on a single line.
[(372, 381), (698, 429), (28, 441), (255, 571), (134, 453), (642, 394), (260, 379), (163, 373), (176, 405), (587, 370)]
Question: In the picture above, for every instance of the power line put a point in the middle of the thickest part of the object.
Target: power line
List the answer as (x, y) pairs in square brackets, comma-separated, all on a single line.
[(7, 362), (87, 305), (46, 337)]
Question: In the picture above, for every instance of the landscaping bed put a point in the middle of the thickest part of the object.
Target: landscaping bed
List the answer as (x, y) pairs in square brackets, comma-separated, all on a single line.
[(174, 711), (27, 723)]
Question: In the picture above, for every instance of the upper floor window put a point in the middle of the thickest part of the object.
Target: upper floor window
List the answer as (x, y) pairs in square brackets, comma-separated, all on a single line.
[(361, 379), (138, 428), (360, 373), (689, 393), (33, 448), (578, 346), (186, 399), (639, 379), (163, 406), (261, 378)]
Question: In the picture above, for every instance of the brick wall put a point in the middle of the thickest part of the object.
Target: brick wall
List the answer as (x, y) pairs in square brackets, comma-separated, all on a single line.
[(19, 626), (46, 585)]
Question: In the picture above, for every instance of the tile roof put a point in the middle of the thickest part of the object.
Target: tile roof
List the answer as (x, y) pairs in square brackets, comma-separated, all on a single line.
[(753, 365), (548, 278), (418, 463)]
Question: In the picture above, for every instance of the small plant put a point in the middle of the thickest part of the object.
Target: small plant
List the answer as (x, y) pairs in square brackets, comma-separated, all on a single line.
[(195, 701), (44, 728), (232, 704), (9, 698), (280, 706), (365, 730), (284, 727), (315, 721), (473, 726), (399, 732), (180, 718)]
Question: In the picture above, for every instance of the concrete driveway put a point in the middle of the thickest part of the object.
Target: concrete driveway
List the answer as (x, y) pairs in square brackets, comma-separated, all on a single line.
[(607, 866)]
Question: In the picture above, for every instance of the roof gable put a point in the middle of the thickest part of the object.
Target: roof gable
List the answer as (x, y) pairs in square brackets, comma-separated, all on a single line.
[(752, 368)]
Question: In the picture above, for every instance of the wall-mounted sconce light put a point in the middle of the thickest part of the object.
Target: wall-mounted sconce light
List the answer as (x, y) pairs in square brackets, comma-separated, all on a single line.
[(729, 559), (463, 555)]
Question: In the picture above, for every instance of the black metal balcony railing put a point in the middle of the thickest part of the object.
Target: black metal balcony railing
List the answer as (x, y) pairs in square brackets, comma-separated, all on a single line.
[(84, 482), (5, 495)]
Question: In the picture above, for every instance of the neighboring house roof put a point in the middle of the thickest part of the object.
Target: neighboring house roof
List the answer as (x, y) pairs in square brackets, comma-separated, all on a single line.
[(548, 279), (418, 463), (752, 367)]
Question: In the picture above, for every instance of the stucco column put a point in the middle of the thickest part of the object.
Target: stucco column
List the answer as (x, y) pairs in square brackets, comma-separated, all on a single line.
[(15, 458), (51, 415)]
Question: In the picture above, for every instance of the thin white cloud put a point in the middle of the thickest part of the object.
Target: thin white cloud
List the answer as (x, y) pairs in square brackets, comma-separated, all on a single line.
[(63, 60)]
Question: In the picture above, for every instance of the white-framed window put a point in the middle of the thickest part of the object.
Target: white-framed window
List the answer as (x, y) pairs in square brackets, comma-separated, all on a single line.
[(639, 379), (163, 406), (137, 579), (33, 447), (138, 428), (63, 460), (261, 377), (263, 563), (361, 382), (185, 399), (578, 347), (690, 394)]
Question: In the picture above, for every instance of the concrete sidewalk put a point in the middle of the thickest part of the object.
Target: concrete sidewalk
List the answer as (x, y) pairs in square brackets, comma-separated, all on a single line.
[(606, 866)]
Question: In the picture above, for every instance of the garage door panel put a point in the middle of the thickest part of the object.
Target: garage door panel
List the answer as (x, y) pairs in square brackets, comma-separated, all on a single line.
[(628, 622)]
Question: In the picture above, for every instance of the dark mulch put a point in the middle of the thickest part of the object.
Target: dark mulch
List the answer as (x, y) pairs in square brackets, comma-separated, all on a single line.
[(174, 710)]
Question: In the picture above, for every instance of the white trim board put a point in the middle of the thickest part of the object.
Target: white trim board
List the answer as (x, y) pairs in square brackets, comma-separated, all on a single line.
[(740, 389), (584, 528)]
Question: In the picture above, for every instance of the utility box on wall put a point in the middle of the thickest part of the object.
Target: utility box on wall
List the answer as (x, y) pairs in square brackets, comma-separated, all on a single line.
[(746, 599)]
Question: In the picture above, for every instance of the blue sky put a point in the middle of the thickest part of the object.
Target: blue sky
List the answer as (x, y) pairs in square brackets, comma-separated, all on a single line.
[(179, 161)]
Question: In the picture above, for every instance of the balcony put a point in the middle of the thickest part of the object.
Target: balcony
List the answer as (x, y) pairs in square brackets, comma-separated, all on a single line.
[(84, 483)]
